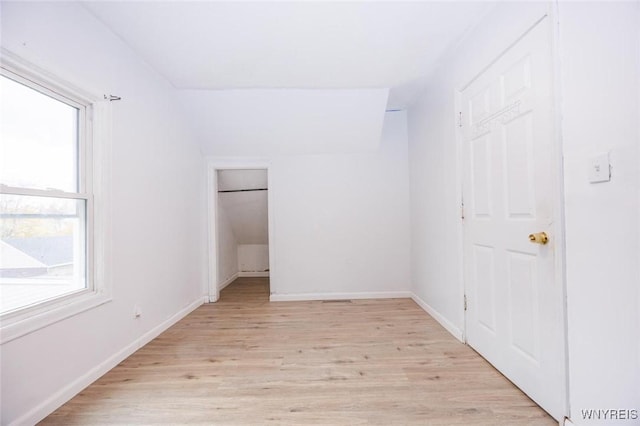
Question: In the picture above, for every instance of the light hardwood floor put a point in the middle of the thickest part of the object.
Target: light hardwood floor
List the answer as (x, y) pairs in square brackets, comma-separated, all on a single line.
[(245, 361)]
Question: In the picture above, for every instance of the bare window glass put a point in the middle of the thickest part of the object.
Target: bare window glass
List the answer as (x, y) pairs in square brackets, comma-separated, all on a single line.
[(42, 251), (38, 139), (43, 213)]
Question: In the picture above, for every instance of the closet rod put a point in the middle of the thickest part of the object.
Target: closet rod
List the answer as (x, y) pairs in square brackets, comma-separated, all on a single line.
[(245, 190)]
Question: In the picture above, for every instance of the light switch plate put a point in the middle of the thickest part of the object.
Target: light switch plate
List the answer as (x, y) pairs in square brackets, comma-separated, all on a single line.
[(599, 169)]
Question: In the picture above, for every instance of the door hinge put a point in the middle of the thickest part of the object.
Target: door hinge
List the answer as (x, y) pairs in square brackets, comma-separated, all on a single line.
[(460, 119), (465, 302), (462, 210)]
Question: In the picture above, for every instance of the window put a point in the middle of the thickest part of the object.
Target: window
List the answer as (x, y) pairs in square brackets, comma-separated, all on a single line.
[(46, 197)]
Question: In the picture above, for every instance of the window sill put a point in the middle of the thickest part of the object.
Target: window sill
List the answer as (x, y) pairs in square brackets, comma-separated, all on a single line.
[(97, 167), (21, 325)]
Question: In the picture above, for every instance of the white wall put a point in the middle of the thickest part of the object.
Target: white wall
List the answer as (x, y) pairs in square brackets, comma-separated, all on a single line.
[(247, 213), (600, 60), (227, 249), (436, 262), (341, 220), (158, 226), (269, 122), (339, 225), (253, 257)]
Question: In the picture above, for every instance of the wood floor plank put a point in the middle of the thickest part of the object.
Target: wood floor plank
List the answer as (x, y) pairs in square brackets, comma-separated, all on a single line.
[(246, 361)]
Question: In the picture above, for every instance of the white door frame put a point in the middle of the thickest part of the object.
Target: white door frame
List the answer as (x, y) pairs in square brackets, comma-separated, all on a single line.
[(558, 225), (213, 165)]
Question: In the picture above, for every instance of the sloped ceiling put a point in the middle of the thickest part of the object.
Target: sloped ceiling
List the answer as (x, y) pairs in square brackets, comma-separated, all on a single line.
[(246, 211), (302, 45), (269, 122), (242, 179), (290, 78)]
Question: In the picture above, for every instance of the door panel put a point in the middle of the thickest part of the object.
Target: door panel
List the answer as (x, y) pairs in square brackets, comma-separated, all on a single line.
[(523, 299), (515, 306), (484, 271), (481, 177), (517, 144)]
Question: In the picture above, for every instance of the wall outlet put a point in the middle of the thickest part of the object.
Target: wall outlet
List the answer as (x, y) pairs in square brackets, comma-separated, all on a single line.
[(599, 169), (137, 312)]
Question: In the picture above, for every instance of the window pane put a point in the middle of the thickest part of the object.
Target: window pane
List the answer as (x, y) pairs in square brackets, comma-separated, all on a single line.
[(38, 139), (42, 249)]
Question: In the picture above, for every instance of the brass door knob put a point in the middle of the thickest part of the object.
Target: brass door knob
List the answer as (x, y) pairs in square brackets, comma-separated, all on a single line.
[(539, 238)]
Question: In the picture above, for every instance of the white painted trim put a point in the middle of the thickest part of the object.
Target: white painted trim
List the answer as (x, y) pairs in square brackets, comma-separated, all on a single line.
[(213, 164), (273, 281), (444, 322), (55, 401), (253, 274), (558, 226), (51, 193), (291, 297), (28, 70), (457, 95), (567, 422), (95, 151), (228, 281), (557, 169), (212, 233), (47, 315)]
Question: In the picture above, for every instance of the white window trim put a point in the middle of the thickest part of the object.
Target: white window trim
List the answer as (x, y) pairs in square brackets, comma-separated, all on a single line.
[(94, 188)]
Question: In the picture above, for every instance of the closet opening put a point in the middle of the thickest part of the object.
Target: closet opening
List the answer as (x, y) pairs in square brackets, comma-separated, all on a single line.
[(239, 198)]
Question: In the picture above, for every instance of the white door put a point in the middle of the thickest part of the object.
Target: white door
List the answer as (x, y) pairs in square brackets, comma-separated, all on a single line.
[(515, 302)]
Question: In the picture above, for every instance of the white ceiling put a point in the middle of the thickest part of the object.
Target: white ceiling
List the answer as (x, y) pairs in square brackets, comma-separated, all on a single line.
[(304, 44)]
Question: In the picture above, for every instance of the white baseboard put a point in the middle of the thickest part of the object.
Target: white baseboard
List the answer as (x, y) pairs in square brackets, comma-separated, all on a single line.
[(254, 274), (54, 402), (340, 296), (228, 281), (448, 325), (567, 422)]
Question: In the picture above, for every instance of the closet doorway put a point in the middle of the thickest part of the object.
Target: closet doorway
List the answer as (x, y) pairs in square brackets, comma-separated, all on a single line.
[(239, 226)]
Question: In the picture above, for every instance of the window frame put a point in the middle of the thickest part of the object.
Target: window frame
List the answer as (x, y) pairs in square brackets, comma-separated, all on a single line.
[(94, 116)]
